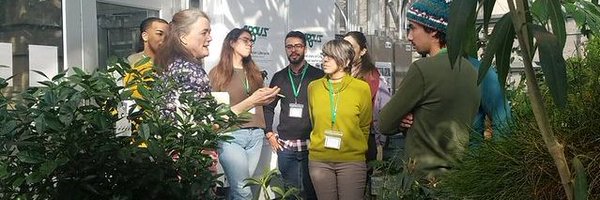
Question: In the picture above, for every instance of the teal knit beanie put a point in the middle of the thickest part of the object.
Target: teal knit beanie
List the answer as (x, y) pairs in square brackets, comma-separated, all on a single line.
[(430, 13)]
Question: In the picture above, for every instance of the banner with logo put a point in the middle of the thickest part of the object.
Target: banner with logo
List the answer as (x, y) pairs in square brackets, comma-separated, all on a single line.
[(265, 19), (269, 22), (316, 18)]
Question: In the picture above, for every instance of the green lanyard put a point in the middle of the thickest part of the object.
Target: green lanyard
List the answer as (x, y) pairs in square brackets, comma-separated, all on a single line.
[(246, 84), (443, 50), (331, 104), (294, 89)]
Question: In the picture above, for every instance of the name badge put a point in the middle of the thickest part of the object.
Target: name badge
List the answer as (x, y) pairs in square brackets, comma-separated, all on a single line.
[(296, 110), (252, 111), (333, 139)]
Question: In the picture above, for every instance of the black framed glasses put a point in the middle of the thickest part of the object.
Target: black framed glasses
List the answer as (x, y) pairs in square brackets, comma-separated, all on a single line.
[(246, 40), (290, 47)]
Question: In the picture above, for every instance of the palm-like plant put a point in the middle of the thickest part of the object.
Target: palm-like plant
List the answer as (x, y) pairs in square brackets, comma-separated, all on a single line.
[(538, 26)]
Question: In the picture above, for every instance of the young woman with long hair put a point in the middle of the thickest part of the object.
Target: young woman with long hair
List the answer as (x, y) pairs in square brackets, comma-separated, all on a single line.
[(364, 69), (237, 74)]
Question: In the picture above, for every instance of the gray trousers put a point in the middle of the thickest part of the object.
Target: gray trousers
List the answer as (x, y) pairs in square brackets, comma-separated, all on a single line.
[(342, 180)]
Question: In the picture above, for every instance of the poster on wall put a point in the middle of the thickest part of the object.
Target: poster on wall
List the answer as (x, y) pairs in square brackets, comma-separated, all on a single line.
[(6, 59), (269, 22), (43, 59), (316, 18), (385, 70), (262, 50), (266, 20)]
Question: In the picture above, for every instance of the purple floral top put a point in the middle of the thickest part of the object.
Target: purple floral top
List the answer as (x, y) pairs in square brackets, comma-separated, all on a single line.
[(189, 78)]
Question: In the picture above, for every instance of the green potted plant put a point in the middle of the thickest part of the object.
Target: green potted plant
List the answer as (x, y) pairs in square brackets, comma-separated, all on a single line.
[(59, 141)]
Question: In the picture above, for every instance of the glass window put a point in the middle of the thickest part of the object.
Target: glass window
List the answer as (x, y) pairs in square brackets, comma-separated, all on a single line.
[(118, 30), (31, 38)]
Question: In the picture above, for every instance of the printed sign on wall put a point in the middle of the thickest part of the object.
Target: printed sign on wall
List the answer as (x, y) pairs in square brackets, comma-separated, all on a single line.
[(316, 18), (43, 59), (6, 61), (266, 20)]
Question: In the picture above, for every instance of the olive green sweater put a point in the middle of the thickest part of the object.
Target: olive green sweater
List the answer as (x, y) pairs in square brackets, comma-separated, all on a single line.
[(444, 102), (353, 119)]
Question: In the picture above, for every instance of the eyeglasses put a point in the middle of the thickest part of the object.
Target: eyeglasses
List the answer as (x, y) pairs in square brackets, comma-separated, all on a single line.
[(289, 47), (246, 40)]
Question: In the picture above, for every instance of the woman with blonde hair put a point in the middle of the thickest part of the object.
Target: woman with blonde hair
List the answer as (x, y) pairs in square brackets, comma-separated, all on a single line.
[(181, 60), (338, 141)]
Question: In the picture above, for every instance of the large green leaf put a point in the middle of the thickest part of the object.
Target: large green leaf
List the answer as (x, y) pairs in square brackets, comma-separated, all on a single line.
[(278, 190), (59, 76), (142, 61), (503, 57), (48, 167), (40, 124), (30, 157), (488, 7), (251, 182), (470, 45), (552, 62), (40, 73), (463, 14), (50, 99), (145, 131), (79, 71), (539, 11), (34, 177), (592, 12), (53, 122), (557, 20), (4, 81), (581, 184), (3, 171), (18, 182), (8, 128), (499, 46), (577, 14), (141, 88)]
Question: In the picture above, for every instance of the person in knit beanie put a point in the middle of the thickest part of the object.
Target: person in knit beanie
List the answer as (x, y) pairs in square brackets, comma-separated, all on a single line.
[(430, 16), (433, 16), (442, 99)]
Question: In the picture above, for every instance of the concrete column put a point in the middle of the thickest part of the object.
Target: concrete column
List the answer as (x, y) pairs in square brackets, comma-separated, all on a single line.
[(80, 39)]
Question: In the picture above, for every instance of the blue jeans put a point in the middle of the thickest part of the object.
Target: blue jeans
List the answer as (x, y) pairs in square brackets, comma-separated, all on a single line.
[(239, 158), (293, 166)]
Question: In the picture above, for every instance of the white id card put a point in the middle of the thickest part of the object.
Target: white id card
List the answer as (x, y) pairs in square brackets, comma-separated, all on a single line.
[(296, 110), (333, 139), (252, 111)]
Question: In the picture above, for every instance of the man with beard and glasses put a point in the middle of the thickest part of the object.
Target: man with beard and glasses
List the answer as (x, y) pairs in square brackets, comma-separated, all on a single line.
[(290, 141)]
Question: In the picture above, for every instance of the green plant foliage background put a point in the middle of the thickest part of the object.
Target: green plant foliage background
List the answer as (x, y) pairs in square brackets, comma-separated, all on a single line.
[(519, 166), (58, 141)]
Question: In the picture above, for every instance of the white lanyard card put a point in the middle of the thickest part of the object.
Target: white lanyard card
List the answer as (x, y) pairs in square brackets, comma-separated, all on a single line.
[(333, 139), (296, 110)]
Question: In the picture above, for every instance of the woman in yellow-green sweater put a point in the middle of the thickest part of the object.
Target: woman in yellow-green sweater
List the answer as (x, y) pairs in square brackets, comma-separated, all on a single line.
[(340, 111)]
